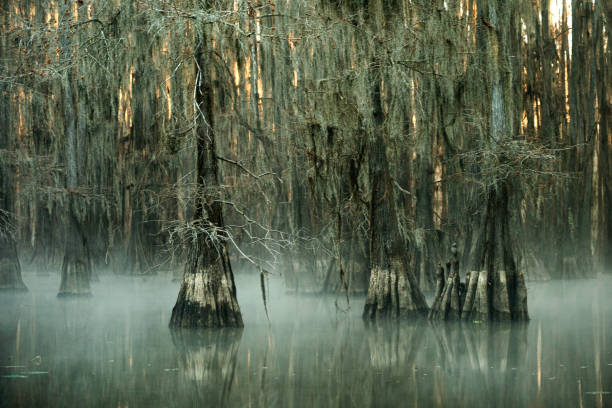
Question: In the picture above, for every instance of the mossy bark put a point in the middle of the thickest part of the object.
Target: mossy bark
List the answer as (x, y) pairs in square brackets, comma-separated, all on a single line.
[(76, 266), (207, 297), (393, 291)]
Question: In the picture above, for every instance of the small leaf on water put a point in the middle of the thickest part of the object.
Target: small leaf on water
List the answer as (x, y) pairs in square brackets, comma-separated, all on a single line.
[(14, 376), (476, 321)]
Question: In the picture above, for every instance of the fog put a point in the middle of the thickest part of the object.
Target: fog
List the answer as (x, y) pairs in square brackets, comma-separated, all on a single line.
[(115, 349)]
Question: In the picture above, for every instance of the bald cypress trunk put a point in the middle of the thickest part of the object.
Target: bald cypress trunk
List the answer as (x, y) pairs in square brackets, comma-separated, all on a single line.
[(10, 268), (76, 265), (495, 288), (393, 291), (207, 297), (501, 293), (605, 98)]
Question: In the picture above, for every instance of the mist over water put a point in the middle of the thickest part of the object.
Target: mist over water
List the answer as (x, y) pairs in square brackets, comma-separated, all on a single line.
[(115, 349)]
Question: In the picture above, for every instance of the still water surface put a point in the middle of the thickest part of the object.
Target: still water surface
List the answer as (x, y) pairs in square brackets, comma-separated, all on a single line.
[(116, 350)]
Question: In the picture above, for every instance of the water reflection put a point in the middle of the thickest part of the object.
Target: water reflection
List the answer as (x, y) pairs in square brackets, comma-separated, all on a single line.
[(115, 349)]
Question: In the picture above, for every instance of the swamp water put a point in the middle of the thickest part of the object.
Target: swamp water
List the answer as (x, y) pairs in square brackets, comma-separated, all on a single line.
[(116, 350)]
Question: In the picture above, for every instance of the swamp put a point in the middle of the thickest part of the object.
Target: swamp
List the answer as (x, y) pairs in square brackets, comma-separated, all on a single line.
[(305, 203)]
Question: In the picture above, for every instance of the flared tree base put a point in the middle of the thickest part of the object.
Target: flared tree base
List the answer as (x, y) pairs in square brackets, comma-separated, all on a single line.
[(572, 269), (484, 299), (206, 300), (75, 280), (392, 295), (10, 276), (496, 291)]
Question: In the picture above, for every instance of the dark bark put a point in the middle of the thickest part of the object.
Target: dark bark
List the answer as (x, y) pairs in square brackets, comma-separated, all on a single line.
[(499, 292), (76, 266), (393, 291), (605, 161), (207, 297), (448, 299), (10, 268), (494, 289), (575, 223)]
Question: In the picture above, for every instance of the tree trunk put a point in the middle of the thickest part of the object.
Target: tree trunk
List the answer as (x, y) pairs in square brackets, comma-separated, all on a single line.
[(207, 297), (10, 269), (76, 266), (605, 138), (496, 290), (393, 291)]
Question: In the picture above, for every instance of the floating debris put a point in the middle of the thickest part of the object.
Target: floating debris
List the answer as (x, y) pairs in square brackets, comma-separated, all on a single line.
[(14, 376), (598, 392), (35, 372), (170, 369)]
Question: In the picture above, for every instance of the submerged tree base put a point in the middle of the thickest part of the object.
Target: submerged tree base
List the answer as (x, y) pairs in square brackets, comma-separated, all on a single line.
[(10, 276), (496, 290), (68, 295), (75, 280), (206, 299), (391, 294)]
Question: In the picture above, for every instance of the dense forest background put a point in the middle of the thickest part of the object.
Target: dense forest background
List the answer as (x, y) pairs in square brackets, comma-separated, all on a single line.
[(323, 109)]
